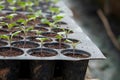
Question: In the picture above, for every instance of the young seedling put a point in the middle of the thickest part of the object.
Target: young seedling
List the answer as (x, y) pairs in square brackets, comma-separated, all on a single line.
[(58, 18), (54, 10), (55, 1), (10, 37), (46, 21), (66, 31), (74, 44), (23, 21), (1, 7), (23, 5), (12, 2), (9, 25), (35, 16), (59, 37), (13, 8), (37, 32), (25, 31), (36, 2), (42, 40), (11, 16)]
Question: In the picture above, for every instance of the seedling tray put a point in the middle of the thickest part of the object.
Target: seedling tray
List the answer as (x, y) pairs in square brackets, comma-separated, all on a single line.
[(85, 45)]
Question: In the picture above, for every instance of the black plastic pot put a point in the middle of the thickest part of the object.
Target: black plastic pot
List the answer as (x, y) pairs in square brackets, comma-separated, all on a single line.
[(20, 44), (5, 51), (42, 70), (74, 70), (9, 69)]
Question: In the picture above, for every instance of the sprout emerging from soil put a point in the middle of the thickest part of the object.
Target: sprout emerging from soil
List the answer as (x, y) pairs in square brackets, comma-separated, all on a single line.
[(11, 16), (13, 8), (74, 44), (12, 2), (42, 40), (25, 31), (37, 32), (59, 37), (58, 18), (10, 37), (54, 10), (66, 31)]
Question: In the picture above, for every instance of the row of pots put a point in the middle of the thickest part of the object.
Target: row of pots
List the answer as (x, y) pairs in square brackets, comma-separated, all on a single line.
[(43, 70)]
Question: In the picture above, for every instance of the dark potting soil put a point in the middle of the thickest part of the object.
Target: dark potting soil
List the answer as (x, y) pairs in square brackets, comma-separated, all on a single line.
[(64, 40), (3, 43), (76, 55), (28, 34), (43, 53), (3, 31), (56, 46), (61, 30), (40, 29), (10, 53), (49, 34), (15, 38), (27, 45)]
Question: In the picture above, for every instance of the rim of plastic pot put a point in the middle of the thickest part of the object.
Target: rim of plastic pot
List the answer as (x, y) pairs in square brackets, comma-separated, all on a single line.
[(21, 43), (33, 38), (5, 31), (49, 34), (45, 50), (3, 43), (38, 51), (78, 53), (55, 45), (13, 49), (63, 40)]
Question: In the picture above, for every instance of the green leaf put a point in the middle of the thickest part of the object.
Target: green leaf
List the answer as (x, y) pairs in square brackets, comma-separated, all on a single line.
[(7, 37), (38, 13), (15, 33), (45, 21), (10, 16), (42, 39), (13, 8), (55, 10), (29, 29), (1, 7), (58, 17)]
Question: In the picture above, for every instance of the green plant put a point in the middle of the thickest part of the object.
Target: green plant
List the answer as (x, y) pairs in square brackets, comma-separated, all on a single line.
[(11, 16), (23, 21), (59, 36), (23, 5), (42, 42), (1, 7), (9, 25), (57, 18), (54, 10), (74, 44), (37, 32), (34, 16), (66, 31), (51, 24), (10, 37), (25, 31), (12, 2), (36, 2), (13, 8)]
